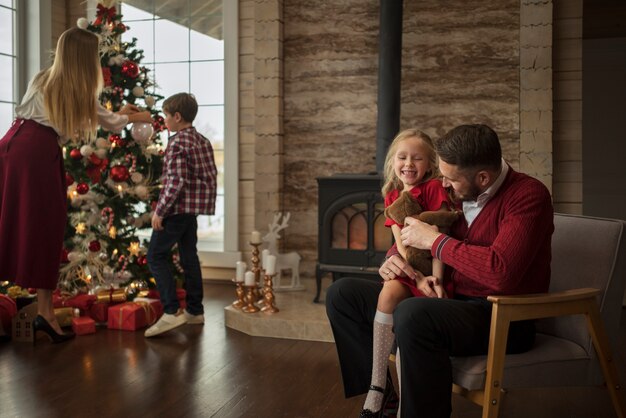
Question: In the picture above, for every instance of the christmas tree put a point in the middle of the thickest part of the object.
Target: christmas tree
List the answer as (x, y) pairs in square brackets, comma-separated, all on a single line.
[(113, 179)]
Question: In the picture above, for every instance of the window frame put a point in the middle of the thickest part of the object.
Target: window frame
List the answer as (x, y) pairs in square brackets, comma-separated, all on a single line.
[(230, 254)]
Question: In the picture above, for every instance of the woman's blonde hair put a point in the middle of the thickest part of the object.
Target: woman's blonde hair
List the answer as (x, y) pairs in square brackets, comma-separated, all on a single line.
[(72, 84), (392, 182)]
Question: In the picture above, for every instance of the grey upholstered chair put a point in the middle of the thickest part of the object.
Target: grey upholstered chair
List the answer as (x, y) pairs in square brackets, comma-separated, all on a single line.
[(582, 311)]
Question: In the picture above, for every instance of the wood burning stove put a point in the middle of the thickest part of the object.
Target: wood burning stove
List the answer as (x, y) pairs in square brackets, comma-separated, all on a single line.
[(352, 237)]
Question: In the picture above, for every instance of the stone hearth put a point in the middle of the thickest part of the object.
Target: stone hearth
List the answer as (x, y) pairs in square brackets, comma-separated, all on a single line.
[(298, 319)]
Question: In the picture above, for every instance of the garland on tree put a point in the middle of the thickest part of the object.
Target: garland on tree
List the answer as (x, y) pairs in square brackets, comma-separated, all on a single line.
[(112, 180)]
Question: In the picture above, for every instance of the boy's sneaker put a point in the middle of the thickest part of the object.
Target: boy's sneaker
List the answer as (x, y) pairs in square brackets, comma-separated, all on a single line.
[(166, 323), (194, 319)]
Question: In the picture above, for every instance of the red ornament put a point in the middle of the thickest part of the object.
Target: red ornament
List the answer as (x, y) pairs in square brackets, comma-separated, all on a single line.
[(64, 254), (82, 188), (117, 140), (130, 69), (142, 260), (75, 154), (121, 28), (119, 173), (94, 246), (158, 123), (69, 180)]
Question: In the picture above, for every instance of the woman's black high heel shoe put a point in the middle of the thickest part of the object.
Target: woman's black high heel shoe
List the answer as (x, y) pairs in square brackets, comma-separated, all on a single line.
[(40, 324)]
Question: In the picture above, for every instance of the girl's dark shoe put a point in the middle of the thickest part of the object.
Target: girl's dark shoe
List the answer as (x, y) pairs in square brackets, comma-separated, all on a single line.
[(390, 402), (40, 324)]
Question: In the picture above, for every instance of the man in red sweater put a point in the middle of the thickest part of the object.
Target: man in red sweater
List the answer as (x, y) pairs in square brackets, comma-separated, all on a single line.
[(501, 246)]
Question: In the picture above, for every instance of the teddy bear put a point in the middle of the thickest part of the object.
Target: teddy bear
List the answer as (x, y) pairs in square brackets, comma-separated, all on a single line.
[(406, 205)]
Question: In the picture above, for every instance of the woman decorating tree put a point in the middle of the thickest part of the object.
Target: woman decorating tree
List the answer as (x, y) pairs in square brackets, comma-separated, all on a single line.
[(61, 104)]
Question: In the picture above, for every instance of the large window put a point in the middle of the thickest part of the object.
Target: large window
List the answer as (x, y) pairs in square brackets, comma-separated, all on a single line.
[(184, 48), (8, 63)]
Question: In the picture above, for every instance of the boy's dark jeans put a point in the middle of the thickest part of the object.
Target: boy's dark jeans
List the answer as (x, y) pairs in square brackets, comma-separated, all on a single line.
[(181, 229)]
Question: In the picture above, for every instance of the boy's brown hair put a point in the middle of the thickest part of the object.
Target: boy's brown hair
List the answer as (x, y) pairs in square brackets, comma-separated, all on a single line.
[(183, 103)]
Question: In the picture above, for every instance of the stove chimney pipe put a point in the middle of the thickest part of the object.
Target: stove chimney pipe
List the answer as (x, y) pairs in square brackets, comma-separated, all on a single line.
[(389, 77)]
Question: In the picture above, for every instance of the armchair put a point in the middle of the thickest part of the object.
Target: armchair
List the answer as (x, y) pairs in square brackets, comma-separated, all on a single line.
[(579, 321)]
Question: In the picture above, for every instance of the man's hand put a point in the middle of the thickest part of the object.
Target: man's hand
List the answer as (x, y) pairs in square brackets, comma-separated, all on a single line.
[(418, 234), (157, 222), (431, 287)]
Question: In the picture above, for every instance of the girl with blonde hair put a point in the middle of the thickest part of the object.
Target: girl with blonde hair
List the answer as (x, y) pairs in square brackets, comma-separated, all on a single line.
[(410, 166), (61, 103)]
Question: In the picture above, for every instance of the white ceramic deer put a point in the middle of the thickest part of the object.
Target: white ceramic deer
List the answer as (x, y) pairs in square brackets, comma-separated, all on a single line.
[(287, 261)]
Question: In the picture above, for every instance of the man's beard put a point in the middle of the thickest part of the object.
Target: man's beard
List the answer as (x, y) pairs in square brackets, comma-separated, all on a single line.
[(470, 196)]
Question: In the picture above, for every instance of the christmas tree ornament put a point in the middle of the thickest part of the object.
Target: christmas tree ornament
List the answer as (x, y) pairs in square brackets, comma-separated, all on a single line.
[(134, 249), (150, 101), (94, 246), (117, 140), (82, 188), (136, 177), (142, 192), (112, 232), (119, 173), (103, 143), (142, 260), (69, 180), (73, 256), (86, 150), (130, 69), (142, 132), (75, 154), (101, 153), (138, 91), (80, 229), (82, 23)]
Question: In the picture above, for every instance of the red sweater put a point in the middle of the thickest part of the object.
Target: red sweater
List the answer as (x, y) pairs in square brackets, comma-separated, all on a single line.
[(507, 249)]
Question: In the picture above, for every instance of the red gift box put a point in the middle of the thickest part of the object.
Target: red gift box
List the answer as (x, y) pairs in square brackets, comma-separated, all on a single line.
[(81, 301), (128, 316), (83, 325), (8, 309), (181, 295), (99, 312), (156, 309)]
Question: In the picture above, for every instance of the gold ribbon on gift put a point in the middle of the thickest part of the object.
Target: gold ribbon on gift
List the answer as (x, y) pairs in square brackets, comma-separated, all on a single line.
[(64, 316), (150, 313), (111, 295)]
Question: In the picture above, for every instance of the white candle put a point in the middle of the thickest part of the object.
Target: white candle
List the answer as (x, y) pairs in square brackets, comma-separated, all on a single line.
[(264, 255), (270, 268), (255, 237), (249, 279), (241, 269)]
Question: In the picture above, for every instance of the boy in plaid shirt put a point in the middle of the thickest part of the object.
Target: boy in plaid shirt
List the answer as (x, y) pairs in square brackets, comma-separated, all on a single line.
[(189, 189)]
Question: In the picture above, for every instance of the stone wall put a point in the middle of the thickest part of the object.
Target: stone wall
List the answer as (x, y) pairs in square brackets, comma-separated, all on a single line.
[(460, 65)]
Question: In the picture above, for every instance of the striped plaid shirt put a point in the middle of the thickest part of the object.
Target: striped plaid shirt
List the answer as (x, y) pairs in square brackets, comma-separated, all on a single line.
[(189, 175)]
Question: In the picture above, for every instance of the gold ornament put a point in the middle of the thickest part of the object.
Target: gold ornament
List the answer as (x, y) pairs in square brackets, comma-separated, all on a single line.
[(80, 228), (113, 232), (134, 249)]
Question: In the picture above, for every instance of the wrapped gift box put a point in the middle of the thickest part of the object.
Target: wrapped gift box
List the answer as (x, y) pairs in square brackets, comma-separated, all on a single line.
[(83, 325), (81, 301), (99, 312), (111, 295), (128, 316), (155, 309), (8, 309), (64, 316), (180, 295)]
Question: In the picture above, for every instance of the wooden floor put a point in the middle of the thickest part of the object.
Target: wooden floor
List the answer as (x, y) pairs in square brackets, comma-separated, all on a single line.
[(213, 371)]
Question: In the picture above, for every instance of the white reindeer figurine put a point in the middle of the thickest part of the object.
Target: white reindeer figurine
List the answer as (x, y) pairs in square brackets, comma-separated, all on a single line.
[(287, 261)]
